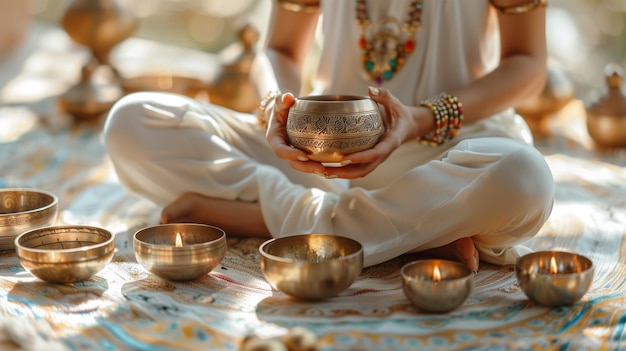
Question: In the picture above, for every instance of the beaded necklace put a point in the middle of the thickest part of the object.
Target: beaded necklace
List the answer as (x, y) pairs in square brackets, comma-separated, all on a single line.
[(384, 53)]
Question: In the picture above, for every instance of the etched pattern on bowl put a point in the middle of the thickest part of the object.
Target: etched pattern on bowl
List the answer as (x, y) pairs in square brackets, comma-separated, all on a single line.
[(328, 127)]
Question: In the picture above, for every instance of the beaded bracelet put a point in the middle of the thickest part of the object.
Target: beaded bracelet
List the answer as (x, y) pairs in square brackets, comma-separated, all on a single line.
[(271, 95), (526, 7), (448, 119)]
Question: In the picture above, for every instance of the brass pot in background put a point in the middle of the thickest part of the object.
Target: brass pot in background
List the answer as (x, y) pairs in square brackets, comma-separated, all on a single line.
[(232, 87), (606, 115), (98, 25), (557, 92)]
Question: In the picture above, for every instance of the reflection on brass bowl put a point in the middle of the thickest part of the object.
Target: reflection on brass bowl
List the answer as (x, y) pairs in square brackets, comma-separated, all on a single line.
[(436, 285), (554, 278), (174, 84), (311, 266), (23, 209), (65, 254), (328, 127), (202, 248)]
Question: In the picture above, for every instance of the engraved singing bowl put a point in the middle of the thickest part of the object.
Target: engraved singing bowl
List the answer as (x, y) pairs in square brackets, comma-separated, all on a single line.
[(203, 248), (567, 284), (23, 209), (65, 254), (311, 266), (328, 127)]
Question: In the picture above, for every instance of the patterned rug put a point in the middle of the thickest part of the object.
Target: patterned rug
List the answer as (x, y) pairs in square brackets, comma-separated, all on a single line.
[(125, 308)]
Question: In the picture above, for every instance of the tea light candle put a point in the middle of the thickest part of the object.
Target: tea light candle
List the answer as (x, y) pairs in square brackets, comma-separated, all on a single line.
[(180, 251), (554, 278), (436, 285)]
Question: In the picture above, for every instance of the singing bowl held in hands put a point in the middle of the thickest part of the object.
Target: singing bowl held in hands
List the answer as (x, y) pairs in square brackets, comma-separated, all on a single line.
[(328, 127)]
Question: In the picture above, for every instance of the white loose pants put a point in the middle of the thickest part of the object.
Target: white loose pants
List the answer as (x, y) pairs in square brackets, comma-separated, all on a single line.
[(490, 184)]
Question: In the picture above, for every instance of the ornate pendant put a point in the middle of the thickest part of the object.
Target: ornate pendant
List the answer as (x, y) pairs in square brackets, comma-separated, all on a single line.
[(385, 53)]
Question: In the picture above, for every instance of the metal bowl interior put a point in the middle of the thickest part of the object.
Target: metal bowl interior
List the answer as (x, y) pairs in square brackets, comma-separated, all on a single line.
[(65, 254), (24, 209), (440, 296), (566, 285), (328, 127), (311, 266), (203, 248)]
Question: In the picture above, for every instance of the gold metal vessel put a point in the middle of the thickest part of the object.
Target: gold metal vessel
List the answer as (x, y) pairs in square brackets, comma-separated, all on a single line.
[(311, 266), (328, 127), (202, 248), (606, 116), (24, 209), (554, 278), (65, 254), (435, 285)]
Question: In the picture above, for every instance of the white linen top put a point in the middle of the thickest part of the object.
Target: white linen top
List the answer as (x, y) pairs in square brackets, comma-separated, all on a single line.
[(458, 42)]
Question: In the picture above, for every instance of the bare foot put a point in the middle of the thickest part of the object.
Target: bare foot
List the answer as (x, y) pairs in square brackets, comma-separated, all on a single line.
[(462, 250), (235, 217)]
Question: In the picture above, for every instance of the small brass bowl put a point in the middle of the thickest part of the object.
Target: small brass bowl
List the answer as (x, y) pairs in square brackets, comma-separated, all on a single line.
[(436, 285), (328, 127), (554, 278), (65, 254), (203, 248), (23, 209), (311, 266)]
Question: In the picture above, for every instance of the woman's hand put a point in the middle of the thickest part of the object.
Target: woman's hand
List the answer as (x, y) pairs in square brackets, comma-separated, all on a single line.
[(279, 141), (401, 123)]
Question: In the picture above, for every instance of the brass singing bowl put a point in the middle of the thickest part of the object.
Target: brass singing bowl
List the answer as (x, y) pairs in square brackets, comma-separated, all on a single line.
[(23, 209), (571, 282), (311, 266), (204, 247), (432, 296), (65, 254), (328, 127)]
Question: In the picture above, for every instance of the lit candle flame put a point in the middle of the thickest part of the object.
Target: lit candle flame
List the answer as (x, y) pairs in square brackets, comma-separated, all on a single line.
[(553, 267), (179, 240), (436, 274)]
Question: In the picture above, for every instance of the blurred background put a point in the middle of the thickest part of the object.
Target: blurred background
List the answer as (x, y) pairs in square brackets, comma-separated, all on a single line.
[(583, 35)]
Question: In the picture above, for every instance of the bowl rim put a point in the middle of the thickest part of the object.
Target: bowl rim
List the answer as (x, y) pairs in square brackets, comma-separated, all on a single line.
[(334, 98), (186, 247), (268, 255), (105, 243), (55, 200), (518, 263), (406, 276)]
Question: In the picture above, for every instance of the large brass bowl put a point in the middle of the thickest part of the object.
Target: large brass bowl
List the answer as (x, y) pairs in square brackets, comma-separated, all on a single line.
[(65, 254), (311, 266), (561, 283), (23, 209), (202, 248), (328, 127)]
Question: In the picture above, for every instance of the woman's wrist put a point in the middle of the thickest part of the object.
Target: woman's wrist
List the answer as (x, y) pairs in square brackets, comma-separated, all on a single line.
[(448, 119), (266, 105)]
